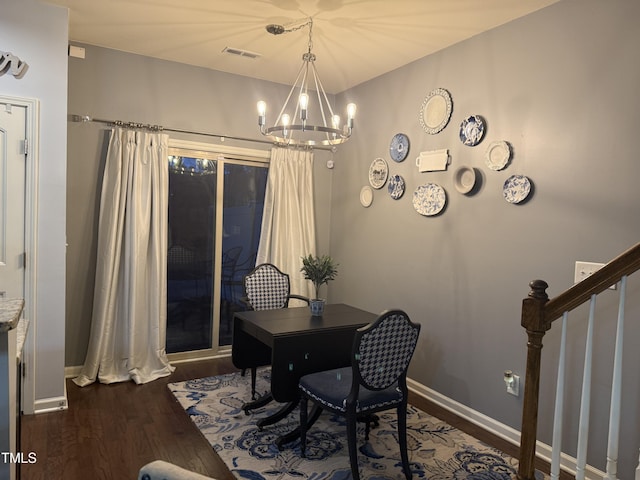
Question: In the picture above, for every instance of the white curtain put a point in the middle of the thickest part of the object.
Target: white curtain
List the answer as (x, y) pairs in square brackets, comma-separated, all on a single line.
[(128, 329), (288, 221)]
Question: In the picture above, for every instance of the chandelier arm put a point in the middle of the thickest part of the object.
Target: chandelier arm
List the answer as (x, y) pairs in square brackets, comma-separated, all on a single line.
[(321, 91), (319, 94), (320, 88), (286, 102)]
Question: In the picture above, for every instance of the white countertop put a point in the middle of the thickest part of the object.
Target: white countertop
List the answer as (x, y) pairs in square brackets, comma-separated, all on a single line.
[(23, 326), (10, 313), (10, 310)]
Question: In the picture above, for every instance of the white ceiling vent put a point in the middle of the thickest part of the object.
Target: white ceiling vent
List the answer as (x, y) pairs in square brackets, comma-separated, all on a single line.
[(241, 53)]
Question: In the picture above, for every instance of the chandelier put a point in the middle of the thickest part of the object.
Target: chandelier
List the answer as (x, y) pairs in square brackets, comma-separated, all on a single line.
[(307, 99)]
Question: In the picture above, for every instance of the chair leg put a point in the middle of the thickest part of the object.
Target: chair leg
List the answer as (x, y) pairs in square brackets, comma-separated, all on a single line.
[(303, 426), (402, 436), (253, 382), (352, 439), (370, 421)]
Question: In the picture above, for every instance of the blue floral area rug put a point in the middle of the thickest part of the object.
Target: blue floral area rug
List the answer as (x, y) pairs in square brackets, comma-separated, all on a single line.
[(437, 451)]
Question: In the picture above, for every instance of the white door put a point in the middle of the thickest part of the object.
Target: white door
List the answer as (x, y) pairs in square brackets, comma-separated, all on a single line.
[(12, 256), (12, 199)]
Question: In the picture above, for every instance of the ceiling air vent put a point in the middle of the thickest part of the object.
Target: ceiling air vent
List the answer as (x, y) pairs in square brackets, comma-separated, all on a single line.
[(241, 53)]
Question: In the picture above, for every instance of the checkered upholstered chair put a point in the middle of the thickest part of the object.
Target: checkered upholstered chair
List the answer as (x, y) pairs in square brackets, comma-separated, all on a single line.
[(375, 381), (267, 288)]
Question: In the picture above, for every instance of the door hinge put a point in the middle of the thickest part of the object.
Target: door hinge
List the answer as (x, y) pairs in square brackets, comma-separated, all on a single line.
[(25, 146), (24, 260)]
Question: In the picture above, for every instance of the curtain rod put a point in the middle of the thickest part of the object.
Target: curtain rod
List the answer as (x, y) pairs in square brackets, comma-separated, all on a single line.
[(158, 128)]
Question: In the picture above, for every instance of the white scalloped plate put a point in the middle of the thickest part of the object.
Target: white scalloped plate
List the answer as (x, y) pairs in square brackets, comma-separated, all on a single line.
[(498, 155), (435, 111)]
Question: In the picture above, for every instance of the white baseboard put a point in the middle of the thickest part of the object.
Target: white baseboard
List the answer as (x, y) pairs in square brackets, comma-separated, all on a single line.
[(53, 404), (503, 431)]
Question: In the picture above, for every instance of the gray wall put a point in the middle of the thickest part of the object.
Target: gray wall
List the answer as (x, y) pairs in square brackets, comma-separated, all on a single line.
[(561, 85), (37, 34)]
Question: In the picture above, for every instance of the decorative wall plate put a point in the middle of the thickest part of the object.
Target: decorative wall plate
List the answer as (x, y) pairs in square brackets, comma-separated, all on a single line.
[(378, 172), (465, 179), (429, 199), (366, 196), (516, 188), (396, 186), (436, 111), (498, 155), (399, 147), (472, 130)]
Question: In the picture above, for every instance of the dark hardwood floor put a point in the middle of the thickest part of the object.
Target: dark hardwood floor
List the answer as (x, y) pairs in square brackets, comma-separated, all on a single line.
[(110, 431)]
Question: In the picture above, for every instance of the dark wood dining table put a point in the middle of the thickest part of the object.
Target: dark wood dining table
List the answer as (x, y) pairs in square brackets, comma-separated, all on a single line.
[(294, 343)]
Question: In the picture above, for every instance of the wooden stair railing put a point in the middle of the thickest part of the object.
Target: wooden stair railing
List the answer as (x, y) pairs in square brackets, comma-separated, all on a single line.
[(538, 314)]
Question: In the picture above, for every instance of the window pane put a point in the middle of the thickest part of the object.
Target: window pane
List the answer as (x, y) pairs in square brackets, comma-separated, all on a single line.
[(244, 187), (192, 201)]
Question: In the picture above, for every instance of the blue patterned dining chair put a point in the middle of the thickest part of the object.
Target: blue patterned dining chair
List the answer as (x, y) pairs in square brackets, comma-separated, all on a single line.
[(375, 381), (267, 288)]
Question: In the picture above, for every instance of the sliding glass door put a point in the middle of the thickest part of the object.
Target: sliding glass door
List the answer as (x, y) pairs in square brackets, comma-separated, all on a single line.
[(244, 187), (215, 213)]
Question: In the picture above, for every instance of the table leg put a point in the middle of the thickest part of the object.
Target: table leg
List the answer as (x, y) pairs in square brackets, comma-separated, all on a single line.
[(259, 402), (285, 410), (295, 433)]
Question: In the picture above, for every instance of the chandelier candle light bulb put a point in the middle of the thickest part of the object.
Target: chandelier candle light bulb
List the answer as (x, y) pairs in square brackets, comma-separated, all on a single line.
[(262, 112), (351, 114), (285, 124), (304, 103)]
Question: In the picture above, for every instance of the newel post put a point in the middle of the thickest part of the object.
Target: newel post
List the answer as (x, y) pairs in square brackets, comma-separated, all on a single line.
[(534, 322)]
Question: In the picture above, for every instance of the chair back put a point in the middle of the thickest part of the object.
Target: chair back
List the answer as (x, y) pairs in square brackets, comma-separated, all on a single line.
[(266, 287), (383, 350)]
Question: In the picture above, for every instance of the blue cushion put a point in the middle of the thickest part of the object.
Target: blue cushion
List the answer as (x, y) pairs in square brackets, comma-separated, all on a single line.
[(331, 389)]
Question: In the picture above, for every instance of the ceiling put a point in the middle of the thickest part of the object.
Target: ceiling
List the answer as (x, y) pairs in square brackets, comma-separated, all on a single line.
[(354, 40)]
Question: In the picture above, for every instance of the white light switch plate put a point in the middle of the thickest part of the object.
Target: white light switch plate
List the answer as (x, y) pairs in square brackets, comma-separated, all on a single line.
[(586, 269)]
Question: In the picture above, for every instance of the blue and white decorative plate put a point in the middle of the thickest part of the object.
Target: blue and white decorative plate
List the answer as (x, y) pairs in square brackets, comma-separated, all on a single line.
[(378, 172), (516, 188), (396, 186), (399, 147), (429, 199), (472, 130)]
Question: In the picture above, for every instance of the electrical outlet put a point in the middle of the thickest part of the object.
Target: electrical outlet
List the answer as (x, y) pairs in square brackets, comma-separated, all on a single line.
[(514, 387), (586, 269), (512, 382)]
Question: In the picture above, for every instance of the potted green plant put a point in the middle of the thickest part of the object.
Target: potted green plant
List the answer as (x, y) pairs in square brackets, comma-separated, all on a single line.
[(320, 270)]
